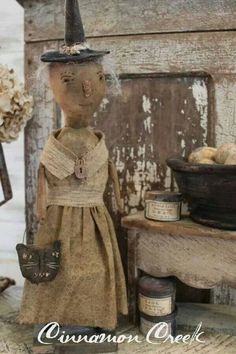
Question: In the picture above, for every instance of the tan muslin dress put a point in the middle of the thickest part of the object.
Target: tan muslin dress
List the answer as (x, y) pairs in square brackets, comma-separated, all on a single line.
[(89, 289)]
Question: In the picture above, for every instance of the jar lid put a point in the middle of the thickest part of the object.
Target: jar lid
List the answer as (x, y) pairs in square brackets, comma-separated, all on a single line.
[(164, 196), (154, 287)]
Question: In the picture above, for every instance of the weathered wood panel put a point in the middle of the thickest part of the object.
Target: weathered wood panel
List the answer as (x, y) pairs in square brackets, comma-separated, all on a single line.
[(223, 294), (44, 19), (212, 53), (45, 118), (225, 106), (155, 118)]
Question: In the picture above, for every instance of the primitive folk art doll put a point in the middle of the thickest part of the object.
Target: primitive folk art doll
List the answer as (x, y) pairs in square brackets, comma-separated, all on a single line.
[(89, 289)]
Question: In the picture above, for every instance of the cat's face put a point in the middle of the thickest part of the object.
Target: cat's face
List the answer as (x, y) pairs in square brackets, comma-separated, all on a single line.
[(39, 265)]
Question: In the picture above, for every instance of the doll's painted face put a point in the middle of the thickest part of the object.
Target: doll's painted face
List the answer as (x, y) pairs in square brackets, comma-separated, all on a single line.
[(78, 88)]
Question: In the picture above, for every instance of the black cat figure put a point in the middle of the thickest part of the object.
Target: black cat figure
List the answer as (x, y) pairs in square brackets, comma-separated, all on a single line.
[(39, 265)]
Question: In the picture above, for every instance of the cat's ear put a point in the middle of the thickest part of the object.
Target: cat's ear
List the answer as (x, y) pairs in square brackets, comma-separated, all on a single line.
[(21, 247)]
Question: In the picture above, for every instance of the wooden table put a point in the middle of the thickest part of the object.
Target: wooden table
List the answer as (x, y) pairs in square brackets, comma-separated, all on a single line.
[(200, 256)]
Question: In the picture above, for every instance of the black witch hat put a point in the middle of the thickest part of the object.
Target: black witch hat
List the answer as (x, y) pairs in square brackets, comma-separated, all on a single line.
[(75, 47)]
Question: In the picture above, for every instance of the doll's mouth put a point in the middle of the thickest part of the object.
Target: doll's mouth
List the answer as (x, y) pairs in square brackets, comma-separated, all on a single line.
[(85, 105)]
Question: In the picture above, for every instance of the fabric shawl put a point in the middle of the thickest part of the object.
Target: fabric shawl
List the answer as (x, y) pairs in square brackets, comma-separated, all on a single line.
[(61, 161)]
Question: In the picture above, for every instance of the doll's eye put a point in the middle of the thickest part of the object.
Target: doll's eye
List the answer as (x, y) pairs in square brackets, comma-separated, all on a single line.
[(101, 75), (67, 80), (67, 77)]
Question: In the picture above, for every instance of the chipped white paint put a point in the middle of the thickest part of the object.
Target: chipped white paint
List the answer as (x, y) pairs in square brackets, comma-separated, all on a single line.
[(225, 101), (182, 111), (147, 124), (146, 104), (151, 169), (103, 104), (140, 166), (145, 173), (200, 95), (131, 154), (141, 151), (183, 144), (119, 163), (133, 200), (168, 178)]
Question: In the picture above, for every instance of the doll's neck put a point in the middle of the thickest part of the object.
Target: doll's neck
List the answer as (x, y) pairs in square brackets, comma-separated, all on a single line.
[(78, 122)]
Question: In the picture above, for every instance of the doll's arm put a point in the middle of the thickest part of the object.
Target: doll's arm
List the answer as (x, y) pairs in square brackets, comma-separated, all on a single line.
[(41, 194), (114, 176)]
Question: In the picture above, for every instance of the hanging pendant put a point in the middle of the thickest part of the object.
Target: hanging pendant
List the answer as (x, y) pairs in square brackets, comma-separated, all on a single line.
[(80, 169)]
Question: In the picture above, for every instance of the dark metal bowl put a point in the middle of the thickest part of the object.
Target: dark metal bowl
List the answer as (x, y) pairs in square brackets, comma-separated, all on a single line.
[(210, 191)]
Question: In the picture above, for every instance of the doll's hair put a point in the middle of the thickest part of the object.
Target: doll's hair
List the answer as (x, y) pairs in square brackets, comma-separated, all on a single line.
[(112, 79)]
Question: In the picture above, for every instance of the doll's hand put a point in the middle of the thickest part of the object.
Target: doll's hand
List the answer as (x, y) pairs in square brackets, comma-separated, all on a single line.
[(121, 208)]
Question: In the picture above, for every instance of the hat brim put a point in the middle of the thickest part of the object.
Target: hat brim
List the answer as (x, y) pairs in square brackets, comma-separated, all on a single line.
[(84, 55)]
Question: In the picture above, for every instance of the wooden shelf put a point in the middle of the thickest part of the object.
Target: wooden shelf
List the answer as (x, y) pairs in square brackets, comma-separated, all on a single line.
[(184, 228)]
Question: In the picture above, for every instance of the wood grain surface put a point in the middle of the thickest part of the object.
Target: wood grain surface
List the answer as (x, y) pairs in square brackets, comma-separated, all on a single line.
[(201, 262), (172, 53), (45, 19), (183, 228)]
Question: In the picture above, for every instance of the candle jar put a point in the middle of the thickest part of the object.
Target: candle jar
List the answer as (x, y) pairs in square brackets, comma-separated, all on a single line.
[(163, 325), (163, 206), (156, 296)]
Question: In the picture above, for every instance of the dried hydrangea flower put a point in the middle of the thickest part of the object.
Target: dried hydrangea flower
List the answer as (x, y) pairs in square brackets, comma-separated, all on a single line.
[(15, 105)]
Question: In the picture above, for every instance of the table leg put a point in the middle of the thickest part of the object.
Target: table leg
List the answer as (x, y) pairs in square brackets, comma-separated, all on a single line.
[(132, 275)]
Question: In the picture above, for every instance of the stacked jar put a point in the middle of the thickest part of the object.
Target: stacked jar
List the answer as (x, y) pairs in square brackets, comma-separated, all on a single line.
[(157, 306)]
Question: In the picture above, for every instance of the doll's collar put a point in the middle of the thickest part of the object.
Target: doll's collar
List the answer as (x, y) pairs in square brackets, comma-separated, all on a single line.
[(98, 133), (61, 161)]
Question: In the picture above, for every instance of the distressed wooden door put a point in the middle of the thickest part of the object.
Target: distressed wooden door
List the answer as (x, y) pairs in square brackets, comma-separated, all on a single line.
[(176, 61)]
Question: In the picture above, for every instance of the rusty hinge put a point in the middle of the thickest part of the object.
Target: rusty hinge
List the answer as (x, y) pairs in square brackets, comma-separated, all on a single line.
[(4, 179)]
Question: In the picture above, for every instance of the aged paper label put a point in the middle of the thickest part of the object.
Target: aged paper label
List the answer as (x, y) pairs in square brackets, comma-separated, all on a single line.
[(155, 307), (163, 211)]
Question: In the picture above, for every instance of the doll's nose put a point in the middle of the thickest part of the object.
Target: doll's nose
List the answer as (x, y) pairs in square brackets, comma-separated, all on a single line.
[(87, 88)]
